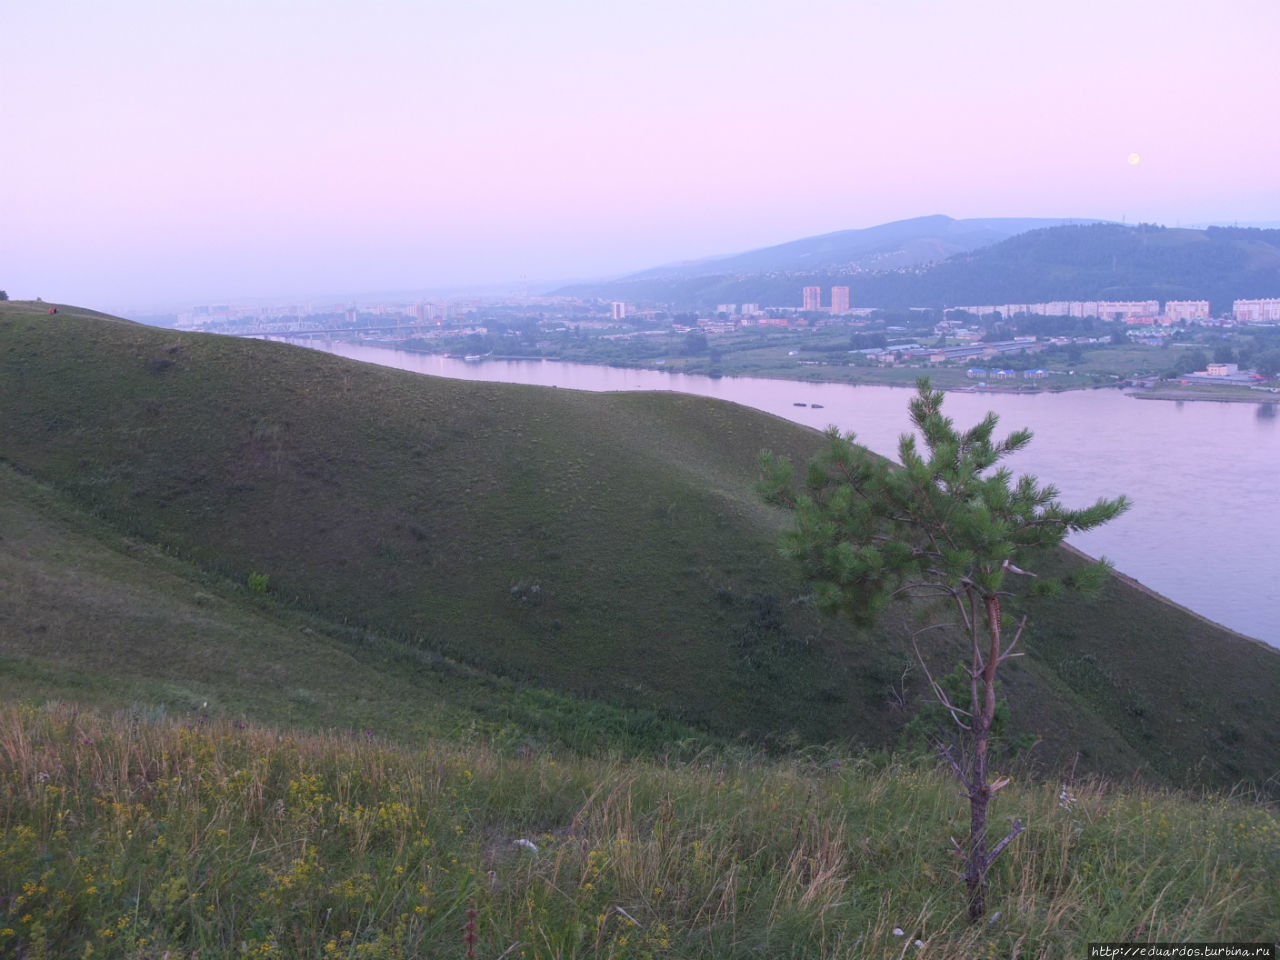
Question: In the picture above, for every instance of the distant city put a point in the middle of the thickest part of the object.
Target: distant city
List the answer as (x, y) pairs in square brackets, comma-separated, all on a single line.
[(405, 320)]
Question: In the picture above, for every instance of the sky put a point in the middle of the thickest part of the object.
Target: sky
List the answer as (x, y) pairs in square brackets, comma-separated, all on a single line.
[(154, 152)]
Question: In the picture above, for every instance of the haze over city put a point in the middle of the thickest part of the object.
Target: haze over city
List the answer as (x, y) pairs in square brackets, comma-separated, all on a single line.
[(161, 153)]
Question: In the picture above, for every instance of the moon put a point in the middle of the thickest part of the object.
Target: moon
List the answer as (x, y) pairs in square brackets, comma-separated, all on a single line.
[(1133, 159)]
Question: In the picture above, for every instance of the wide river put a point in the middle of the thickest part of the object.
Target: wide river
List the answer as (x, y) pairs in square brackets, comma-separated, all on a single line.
[(1204, 529)]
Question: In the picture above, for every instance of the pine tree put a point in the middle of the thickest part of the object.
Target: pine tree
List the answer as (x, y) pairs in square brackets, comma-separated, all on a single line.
[(948, 524)]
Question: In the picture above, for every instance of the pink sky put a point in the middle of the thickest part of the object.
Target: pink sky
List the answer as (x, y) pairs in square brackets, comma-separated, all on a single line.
[(156, 152)]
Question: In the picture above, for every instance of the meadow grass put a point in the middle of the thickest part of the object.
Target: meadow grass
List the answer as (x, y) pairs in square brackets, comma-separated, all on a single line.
[(91, 616), (132, 838)]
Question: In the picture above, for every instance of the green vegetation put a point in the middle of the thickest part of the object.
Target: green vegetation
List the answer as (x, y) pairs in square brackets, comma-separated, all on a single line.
[(499, 613), (608, 549), (102, 619), (126, 837), (946, 526), (1221, 392)]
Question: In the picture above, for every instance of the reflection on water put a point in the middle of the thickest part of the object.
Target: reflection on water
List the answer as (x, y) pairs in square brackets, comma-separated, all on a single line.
[(1201, 474)]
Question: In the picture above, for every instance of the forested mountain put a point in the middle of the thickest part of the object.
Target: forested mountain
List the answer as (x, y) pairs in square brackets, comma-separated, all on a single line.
[(888, 246), (1095, 261)]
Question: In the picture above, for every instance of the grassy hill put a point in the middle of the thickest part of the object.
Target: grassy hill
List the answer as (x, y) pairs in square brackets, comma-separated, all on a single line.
[(548, 552), (90, 616)]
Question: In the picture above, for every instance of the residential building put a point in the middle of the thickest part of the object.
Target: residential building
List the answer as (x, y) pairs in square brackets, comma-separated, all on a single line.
[(1257, 311), (618, 310), (1186, 310), (839, 300), (812, 298), (1123, 309)]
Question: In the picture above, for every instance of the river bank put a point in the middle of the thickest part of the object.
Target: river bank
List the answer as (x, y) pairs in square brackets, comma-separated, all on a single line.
[(1254, 396), (949, 379)]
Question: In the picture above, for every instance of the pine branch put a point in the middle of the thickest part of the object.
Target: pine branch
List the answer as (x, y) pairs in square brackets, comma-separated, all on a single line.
[(1008, 651), (1017, 828), (938, 691), (945, 754)]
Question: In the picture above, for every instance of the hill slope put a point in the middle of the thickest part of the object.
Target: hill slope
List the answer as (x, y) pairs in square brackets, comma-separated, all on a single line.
[(96, 618), (887, 246), (1071, 262), (611, 546)]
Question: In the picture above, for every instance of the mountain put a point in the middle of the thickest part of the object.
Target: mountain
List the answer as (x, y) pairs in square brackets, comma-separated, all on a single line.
[(606, 548), (1082, 261), (1098, 261), (903, 243), (888, 246)]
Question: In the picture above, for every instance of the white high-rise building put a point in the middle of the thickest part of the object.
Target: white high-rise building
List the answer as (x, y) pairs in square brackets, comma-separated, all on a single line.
[(839, 299), (1177, 310), (1257, 311)]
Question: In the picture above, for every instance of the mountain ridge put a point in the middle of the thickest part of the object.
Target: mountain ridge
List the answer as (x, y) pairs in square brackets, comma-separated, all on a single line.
[(899, 243), (1070, 261)]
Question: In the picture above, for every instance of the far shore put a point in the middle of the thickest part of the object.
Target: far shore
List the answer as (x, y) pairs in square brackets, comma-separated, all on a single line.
[(1158, 394), (946, 379)]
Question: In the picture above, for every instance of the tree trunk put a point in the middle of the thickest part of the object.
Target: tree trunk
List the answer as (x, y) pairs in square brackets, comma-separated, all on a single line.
[(979, 789), (975, 874)]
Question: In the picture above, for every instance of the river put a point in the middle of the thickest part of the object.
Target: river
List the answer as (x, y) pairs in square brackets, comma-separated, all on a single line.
[(1205, 523)]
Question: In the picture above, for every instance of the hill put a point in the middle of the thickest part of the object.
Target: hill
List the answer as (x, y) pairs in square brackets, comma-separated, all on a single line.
[(1103, 261), (605, 546), (887, 246)]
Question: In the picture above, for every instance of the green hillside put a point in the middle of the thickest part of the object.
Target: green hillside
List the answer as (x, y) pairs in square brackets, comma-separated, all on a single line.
[(90, 616), (607, 547)]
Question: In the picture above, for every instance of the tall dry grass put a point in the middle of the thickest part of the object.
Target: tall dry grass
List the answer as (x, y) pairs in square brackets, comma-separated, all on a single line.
[(123, 837)]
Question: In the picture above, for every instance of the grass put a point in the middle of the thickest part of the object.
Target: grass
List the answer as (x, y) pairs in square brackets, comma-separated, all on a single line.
[(293, 651), (105, 620), (440, 553), (1223, 392), (132, 838)]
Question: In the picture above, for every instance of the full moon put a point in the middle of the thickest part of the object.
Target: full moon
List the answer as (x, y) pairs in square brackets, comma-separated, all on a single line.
[(1133, 159)]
